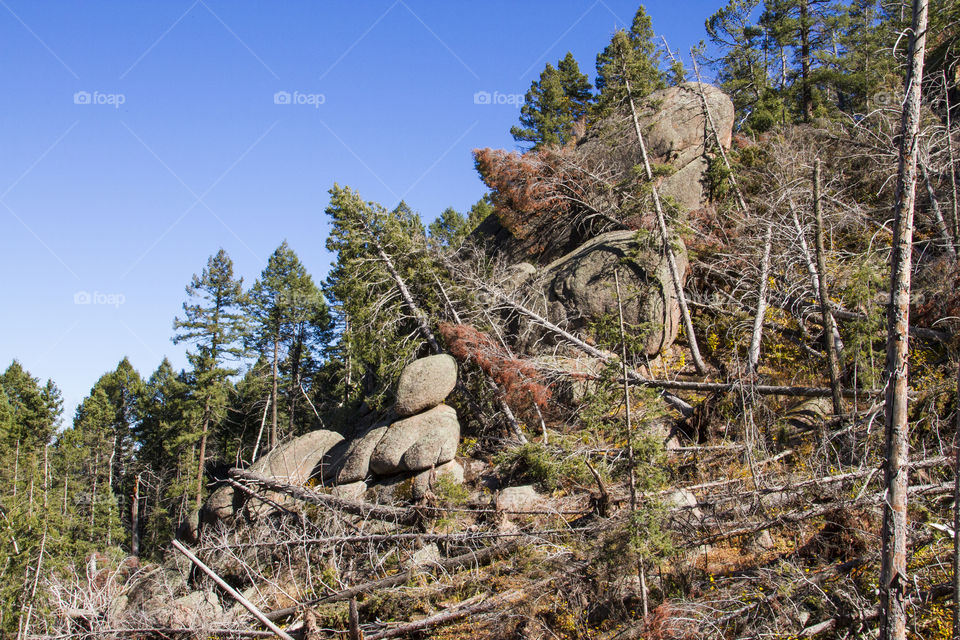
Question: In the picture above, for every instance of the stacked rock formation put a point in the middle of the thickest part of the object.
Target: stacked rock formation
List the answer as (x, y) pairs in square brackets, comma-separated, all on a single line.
[(416, 441)]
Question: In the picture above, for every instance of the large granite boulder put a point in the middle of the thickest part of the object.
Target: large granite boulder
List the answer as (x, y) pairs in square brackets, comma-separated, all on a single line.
[(674, 124), (425, 383), (581, 288), (418, 442), (292, 462)]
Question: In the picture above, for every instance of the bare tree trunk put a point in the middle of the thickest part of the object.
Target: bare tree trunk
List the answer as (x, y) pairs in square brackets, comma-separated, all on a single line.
[(893, 574), (956, 524), (664, 234), (274, 392), (805, 80), (135, 518), (808, 259), (829, 324), (203, 452), (263, 421), (955, 221), (754, 354), (626, 396), (937, 214), (716, 136)]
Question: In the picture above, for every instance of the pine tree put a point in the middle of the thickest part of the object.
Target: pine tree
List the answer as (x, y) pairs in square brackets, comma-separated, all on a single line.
[(554, 104), (451, 228), (215, 326), (290, 321), (631, 57)]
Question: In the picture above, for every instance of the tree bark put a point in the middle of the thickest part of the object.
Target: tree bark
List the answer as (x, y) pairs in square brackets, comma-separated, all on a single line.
[(893, 573), (805, 80), (956, 525), (203, 452), (829, 324), (754, 354), (626, 400), (273, 408), (937, 213), (664, 234), (135, 518)]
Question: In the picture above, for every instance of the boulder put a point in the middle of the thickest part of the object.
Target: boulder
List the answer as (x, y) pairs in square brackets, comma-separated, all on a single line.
[(425, 481), (523, 498), (350, 491), (356, 458), (189, 530), (581, 285), (685, 186), (292, 462), (675, 126), (417, 443), (425, 383)]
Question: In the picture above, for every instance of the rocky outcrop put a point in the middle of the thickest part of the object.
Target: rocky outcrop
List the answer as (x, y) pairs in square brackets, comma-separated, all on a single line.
[(580, 287), (424, 438)]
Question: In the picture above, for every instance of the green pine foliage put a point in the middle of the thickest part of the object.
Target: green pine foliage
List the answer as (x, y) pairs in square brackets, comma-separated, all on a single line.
[(554, 105)]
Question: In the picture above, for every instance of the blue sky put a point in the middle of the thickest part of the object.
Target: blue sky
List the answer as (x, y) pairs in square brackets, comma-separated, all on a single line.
[(139, 137)]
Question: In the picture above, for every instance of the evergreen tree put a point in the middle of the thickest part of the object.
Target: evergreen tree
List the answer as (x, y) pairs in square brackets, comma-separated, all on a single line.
[(554, 104), (451, 228), (215, 326), (631, 59), (291, 322)]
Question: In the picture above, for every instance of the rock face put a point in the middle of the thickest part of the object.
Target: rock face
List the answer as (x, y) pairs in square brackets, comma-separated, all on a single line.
[(581, 286), (417, 443), (675, 125), (292, 462), (425, 383)]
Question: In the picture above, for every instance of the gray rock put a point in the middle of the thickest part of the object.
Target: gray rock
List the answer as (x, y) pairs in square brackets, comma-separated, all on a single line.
[(356, 464), (425, 383), (675, 126), (523, 498), (431, 438), (189, 530), (350, 491), (682, 498), (451, 469), (292, 462), (194, 607), (426, 480), (582, 283), (685, 186)]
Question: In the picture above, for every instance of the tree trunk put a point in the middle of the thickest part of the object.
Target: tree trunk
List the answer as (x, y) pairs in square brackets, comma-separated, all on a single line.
[(893, 574), (754, 355), (668, 251), (829, 324), (294, 386), (203, 452), (135, 518), (955, 217), (956, 524), (937, 214), (626, 397), (273, 393), (807, 93)]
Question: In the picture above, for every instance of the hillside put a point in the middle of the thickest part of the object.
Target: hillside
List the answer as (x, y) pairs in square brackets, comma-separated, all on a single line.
[(645, 388)]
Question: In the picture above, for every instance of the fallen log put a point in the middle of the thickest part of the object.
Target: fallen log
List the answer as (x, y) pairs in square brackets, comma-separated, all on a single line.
[(353, 507), (792, 517), (473, 558), (504, 599)]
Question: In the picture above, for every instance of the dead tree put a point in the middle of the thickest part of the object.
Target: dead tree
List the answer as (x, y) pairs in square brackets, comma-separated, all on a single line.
[(665, 236), (829, 324), (893, 573), (754, 355)]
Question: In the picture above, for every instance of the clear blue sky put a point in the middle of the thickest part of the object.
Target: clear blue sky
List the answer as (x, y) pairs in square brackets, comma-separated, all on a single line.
[(139, 137)]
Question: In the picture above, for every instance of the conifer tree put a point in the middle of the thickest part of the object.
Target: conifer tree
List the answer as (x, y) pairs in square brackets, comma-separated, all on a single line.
[(631, 58), (214, 324), (290, 321), (554, 104)]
